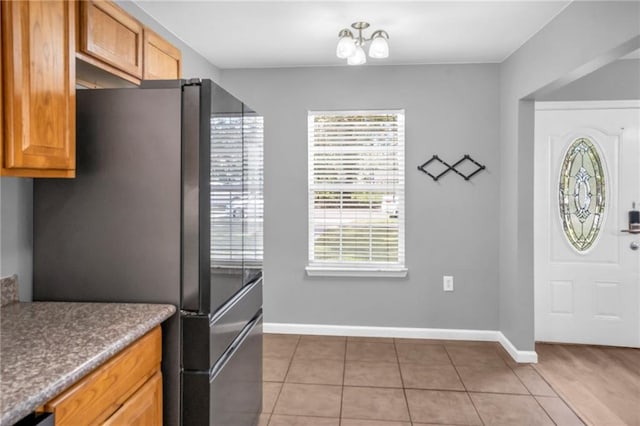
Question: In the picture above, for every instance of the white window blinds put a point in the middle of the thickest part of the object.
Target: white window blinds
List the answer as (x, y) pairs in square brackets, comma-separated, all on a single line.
[(236, 191), (356, 190)]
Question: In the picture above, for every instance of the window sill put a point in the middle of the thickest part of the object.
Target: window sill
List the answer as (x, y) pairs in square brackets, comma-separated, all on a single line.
[(325, 271)]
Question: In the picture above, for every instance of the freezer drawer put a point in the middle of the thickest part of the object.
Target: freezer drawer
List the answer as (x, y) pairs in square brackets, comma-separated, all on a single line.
[(230, 394), (206, 337)]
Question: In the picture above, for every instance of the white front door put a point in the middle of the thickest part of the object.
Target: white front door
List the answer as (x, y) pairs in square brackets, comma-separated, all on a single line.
[(587, 174)]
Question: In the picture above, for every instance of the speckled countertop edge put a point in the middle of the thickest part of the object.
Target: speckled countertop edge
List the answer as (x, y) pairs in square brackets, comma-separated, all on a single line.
[(47, 346), (8, 290)]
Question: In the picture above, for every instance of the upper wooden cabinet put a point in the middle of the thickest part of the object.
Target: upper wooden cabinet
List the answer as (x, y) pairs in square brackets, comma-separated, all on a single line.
[(162, 60), (113, 40), (109, 34), (41, 40), (38, 88)]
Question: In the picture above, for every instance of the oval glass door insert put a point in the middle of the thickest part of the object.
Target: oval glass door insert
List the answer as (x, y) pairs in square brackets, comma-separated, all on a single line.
[(582, 194)]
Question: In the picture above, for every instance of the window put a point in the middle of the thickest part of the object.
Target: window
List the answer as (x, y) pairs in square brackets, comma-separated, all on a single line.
[(236, 190), (356, 193)]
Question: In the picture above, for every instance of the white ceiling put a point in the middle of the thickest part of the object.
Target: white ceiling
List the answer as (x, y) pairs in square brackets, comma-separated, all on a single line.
[(255, 34)]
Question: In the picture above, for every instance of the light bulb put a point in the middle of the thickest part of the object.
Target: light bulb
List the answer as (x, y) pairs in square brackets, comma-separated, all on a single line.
[(379, 48), (357, 58), (346, 47)]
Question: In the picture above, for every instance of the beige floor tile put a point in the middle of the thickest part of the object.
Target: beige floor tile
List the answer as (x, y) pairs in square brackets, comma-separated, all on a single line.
[(280, 420), (264, 419), (427, 406), (309, 400), (423, 354), (370, 339), (481, 378), (533, 381), (279, 345), (315, 371), (437, 377), (371, 352), (320, 349), (509, 410), (474, 355), (559, 412), (274, 369), (374, 404), (375, 374), (353, 422), (270, 392)]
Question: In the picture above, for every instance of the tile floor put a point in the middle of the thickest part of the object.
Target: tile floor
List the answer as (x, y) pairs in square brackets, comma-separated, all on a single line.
[(347, 381), (600, 383)]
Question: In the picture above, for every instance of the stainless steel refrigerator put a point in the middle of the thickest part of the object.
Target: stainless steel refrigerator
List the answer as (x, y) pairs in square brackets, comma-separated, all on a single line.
[(166, 208)]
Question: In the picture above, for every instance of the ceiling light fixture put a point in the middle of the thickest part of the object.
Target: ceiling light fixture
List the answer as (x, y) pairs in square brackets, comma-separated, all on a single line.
[(352, 48)]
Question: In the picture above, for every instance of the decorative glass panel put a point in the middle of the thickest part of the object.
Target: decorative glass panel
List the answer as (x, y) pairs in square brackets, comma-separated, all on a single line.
[(582, 194)]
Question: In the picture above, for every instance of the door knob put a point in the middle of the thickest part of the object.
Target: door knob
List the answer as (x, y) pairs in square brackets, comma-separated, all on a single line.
[(634, 245)]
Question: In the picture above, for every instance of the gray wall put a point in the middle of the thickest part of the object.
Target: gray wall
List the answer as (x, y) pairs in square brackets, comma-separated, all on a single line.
[(452, 225), (16, 239), (16, 249), (619, 80), (584, 37)]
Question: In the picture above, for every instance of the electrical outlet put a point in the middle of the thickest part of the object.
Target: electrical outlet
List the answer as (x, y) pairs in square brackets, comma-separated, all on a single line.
[(447, 283)]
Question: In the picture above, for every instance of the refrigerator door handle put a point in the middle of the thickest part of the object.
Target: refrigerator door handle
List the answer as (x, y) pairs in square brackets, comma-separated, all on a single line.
[(233, 348), (232, 302)]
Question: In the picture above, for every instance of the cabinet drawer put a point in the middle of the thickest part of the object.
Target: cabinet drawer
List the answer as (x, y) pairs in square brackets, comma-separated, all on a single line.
[(205, 340), (230, 394), (144, 408), (111, 35), (97, 396)]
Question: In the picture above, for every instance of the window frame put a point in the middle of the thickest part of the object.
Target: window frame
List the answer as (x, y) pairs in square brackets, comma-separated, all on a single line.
[(357, 268)]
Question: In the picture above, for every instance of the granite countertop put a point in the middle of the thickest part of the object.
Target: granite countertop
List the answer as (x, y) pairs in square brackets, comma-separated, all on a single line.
[(47, 346)]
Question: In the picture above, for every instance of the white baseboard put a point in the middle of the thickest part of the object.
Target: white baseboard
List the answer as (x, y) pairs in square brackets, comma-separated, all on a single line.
[(519, 356), (404, 332)]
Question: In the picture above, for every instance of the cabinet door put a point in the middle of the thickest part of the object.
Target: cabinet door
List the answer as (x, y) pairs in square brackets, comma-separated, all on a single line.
[(162, 60), (111, 35), (38, 49), (144, 408)]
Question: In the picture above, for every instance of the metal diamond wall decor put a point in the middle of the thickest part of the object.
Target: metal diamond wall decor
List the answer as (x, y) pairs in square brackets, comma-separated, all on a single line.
[(449, 167)]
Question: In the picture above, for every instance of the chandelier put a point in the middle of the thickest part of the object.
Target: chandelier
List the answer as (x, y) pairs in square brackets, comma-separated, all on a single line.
[(352, 48)]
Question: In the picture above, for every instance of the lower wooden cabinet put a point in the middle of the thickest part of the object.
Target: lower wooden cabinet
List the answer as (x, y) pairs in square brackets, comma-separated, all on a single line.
[(144, 408), (126, 390)]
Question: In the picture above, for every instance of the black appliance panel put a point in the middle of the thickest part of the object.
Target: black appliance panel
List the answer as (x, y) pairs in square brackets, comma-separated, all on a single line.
[(206, 337), (230, 394)]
